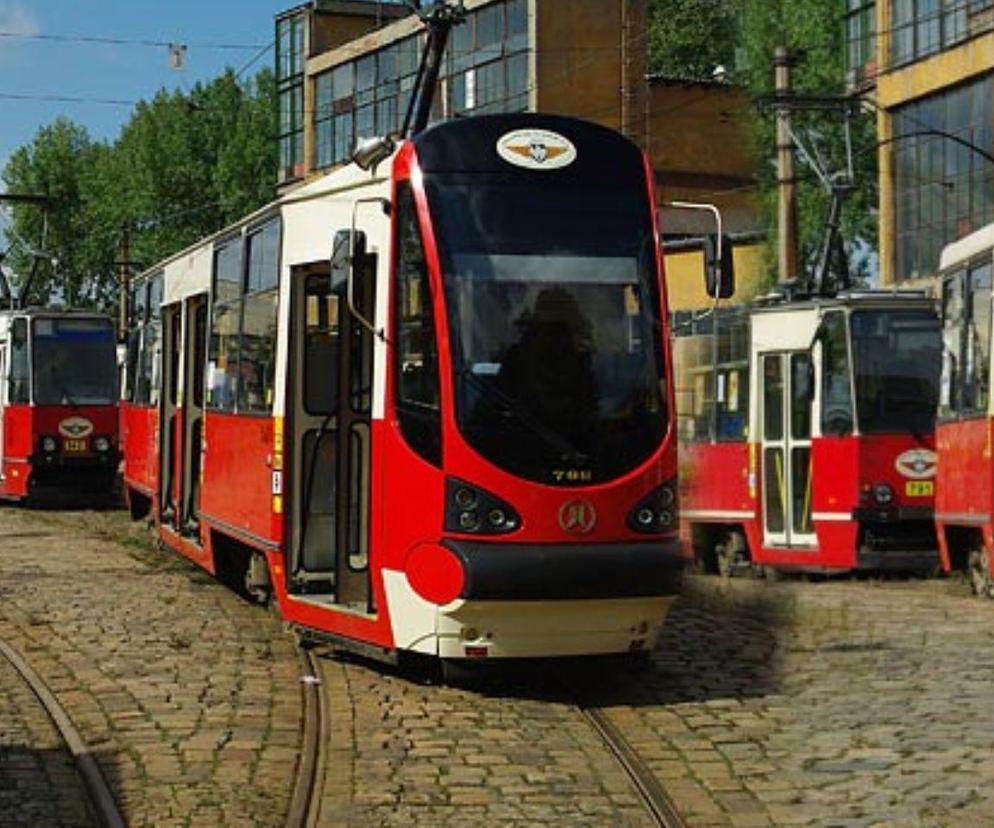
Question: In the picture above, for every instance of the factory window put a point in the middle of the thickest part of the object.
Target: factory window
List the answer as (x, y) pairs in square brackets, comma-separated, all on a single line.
[(290, 92), (485, 70), (923, 27), (943, 176)]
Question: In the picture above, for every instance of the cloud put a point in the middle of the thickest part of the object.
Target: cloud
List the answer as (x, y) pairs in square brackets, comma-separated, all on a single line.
[(15, 19)]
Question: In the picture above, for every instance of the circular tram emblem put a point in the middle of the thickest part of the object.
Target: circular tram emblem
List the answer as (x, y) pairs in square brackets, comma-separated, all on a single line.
[(75, 428), (577, 517), (536, 149), (916, 464)]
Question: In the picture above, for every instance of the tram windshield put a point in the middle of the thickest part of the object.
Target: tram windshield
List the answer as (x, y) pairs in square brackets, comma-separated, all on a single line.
[(553, 308), (75, 361), (897, 356)]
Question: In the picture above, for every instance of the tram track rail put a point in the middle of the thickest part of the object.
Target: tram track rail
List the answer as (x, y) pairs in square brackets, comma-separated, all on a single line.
[(657, 802), (305, 802), (655, 799), (100, 799)]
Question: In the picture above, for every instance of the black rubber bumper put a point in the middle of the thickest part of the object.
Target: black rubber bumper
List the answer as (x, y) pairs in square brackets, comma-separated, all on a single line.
[(520, 572), (898, 560)]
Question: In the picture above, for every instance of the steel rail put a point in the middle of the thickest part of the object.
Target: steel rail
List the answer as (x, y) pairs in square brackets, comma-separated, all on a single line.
[(654, 797), (305, 800), (94, 784)]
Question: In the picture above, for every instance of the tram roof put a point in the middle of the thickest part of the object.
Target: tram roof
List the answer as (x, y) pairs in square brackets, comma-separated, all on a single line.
[(777, 303), (348, 177), (38, 310), (967, 248)]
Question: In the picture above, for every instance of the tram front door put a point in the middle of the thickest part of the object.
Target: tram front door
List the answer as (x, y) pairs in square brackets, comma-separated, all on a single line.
[(786, 449), (329, 411)]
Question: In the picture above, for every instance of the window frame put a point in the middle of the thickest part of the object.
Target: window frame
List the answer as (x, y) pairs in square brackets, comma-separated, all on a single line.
[(959, 409), (256, 230), (242, 241), (429, 447)]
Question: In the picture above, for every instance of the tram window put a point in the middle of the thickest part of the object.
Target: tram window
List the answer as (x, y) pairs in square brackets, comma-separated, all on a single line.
[(800, 396), (416, 365), (136, 320), (321, 349), (773, 397), (836, 391), (19, 391), (708, 397), (144, 345), (952, 338), (152, 350), (977, 362), (222, 362), (257, 356)]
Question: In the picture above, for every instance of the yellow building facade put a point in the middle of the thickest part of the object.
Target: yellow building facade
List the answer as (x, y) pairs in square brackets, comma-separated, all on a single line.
[(928, 67)]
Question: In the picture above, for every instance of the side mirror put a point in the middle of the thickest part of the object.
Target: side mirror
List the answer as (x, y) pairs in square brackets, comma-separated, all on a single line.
[(342, 253), (719, 267), (370, 152)]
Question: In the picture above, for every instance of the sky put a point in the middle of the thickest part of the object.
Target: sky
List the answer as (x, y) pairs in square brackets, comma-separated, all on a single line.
[(36, 68)]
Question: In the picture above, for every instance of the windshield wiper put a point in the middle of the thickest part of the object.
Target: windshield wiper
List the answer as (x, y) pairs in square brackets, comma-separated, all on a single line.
[(508, 404)]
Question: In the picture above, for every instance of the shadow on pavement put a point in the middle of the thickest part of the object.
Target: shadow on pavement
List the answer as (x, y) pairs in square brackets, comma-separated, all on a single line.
[(39, 788), (718, 642)]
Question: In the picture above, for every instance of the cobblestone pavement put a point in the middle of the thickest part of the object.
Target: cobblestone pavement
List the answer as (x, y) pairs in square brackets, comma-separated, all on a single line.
[(829, 704), (188, 697), (38, 785), (495, 752), (841, 703)]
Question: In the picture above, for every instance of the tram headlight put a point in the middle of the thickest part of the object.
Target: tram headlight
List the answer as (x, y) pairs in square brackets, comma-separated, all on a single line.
[(465, 497), (656, 512), (883, 494), (48, 445), (472, 510), (646, 517), (101, 444)]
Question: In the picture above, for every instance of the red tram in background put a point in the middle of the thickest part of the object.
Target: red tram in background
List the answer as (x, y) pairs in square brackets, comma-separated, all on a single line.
[(58, 403), (965, 479), (426, 407), (807, 433)]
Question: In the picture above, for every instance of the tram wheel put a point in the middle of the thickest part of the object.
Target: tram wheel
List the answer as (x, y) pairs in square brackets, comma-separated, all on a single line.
[(980, 574), (731, 555)]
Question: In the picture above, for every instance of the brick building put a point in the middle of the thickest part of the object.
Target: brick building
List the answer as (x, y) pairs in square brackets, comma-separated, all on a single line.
[(347, 69)]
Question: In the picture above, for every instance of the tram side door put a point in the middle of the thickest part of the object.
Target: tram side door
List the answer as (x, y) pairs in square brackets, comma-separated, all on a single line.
[(194, 360), (330, 386), (786, 449), (169, 410)]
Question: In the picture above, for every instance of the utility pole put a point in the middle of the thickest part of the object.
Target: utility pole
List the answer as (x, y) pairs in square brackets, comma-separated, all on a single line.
[(787, 259), (124, 263)]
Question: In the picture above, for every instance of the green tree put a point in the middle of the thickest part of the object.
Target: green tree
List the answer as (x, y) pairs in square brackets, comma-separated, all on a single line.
[(184, 166), (813, 29), (688, 38), (55, 164)]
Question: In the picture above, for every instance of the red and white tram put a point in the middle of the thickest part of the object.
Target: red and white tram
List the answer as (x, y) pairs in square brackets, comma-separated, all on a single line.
[(806, 432), (58, 403), (427, 407), (964, 436)]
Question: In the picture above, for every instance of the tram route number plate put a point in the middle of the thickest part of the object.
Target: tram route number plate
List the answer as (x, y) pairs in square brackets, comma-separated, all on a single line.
[(74, 446), (919, 488)]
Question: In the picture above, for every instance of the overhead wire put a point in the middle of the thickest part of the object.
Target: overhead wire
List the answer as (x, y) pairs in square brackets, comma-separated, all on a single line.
[(126, 41)]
